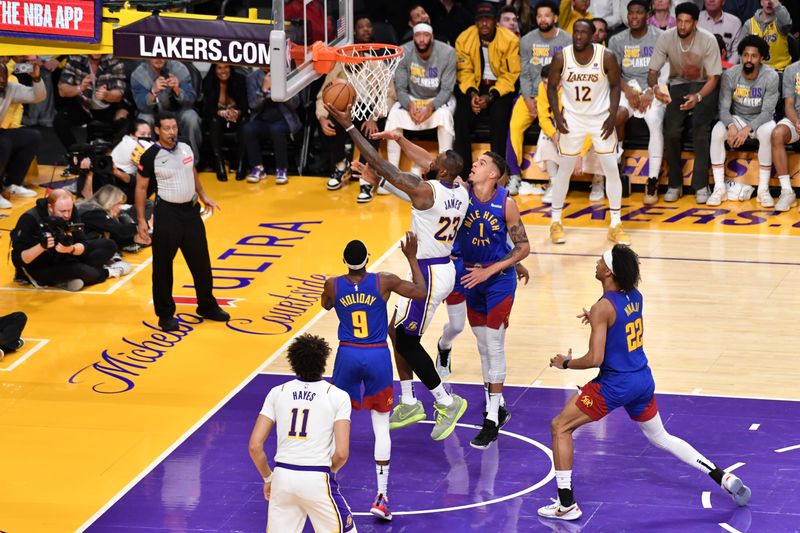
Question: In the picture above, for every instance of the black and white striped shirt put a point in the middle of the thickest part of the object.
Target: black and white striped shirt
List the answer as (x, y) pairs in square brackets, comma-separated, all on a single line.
[(173, 171)]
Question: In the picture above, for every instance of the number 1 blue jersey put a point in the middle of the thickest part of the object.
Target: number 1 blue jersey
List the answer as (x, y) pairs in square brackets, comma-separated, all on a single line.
[(624, 339), (483, 237), (361, 310)]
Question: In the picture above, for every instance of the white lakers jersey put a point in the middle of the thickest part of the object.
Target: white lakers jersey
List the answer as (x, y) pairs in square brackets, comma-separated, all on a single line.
[(585, 88), (436, 228), (304, 413)]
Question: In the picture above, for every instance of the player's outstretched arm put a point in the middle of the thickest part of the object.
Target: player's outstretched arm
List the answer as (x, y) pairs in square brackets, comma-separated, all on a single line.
[(521, 249), (601, 316), (553, 81), (258, 437), (328, 297), (613, 74), (421, 193), (417, 154), (414, 289)]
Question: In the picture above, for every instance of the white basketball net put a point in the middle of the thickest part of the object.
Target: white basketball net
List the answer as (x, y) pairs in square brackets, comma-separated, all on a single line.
[(371, 79)]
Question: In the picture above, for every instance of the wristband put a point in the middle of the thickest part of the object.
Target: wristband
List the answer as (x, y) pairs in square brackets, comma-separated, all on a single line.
[(350, 128), (268, 479), (565, 364), (699, 97), (382, 182)]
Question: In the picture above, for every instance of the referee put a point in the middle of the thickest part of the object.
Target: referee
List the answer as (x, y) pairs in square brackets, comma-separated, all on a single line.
[(177, 221)]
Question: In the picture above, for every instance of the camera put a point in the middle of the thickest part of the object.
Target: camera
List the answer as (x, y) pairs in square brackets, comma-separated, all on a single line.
[(63, 231), (98, 153), (23, 68)]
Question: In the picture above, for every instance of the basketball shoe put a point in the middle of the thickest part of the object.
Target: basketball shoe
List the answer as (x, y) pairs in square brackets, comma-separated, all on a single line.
[(447, 416), (380, 507), (738, 490), (617, 234), (557, 235), (404, 415), (503, 415), (557, 511), (486, 436)]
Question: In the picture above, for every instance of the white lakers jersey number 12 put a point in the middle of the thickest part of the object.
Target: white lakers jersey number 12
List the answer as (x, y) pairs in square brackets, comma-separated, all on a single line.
[(585, 87), (436, 227)]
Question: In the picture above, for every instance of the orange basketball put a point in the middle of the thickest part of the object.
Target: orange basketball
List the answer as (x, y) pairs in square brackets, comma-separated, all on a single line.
[(339, 93)]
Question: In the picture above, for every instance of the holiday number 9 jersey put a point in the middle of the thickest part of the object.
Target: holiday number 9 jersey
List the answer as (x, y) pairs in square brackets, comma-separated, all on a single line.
[(436, 228), (484, 237), (304, 413), (361, 310)]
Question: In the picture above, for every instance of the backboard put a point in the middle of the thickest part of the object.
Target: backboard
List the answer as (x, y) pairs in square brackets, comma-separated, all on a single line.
[(302, 25)]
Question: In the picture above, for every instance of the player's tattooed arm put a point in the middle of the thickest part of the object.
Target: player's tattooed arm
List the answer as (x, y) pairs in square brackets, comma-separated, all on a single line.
[(421, 193)]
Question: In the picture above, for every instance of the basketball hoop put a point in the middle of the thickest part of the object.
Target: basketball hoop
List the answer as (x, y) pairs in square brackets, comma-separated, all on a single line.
[(369, 68)]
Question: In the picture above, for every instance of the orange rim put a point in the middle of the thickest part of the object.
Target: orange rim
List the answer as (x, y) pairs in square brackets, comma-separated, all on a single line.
[(348, 53)]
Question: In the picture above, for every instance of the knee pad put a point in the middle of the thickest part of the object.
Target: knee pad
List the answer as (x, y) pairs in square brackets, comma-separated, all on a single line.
[(405, 343), (383, 439)]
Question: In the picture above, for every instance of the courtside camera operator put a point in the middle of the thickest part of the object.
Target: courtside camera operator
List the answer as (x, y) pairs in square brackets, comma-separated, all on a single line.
[(48, 247)]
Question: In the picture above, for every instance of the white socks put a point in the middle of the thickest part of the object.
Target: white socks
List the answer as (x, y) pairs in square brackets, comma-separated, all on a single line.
[(764, 174), (494, 407), (564, 479), (407, 392), (616, 218), (382, 473), (442, 396), (786, 184)]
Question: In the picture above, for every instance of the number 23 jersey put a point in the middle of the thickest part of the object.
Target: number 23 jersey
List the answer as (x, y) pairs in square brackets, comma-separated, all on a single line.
[(436, 227), (304, 413)]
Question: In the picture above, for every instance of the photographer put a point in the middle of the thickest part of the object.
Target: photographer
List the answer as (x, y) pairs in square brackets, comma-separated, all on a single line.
[(48, 247), (91, 88), (11, 327), (103, 217), (94, 166), (161, 86), (18, 146)]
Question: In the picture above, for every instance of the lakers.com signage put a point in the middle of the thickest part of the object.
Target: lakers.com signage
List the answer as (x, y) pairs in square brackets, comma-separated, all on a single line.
[(185, 39)]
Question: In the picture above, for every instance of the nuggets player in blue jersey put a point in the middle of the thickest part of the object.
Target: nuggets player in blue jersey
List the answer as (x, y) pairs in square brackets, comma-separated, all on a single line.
[(363, 357), (490, 279), (616, 347)]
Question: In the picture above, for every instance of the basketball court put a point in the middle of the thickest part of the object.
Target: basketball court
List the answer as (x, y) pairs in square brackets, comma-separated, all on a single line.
[(111, 425)]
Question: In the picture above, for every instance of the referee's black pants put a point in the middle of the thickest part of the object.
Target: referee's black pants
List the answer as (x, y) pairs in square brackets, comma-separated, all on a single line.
[(179, 227)]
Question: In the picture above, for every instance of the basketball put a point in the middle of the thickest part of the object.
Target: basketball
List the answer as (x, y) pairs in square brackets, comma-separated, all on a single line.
[(339, 93)]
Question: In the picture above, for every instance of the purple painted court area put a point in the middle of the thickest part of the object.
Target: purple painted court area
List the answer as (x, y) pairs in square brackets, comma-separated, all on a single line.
[(621, 482)]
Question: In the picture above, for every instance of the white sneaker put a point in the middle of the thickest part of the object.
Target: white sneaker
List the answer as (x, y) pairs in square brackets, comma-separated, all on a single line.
[(382, 191), (19, 190), (554, 510), (786, 201), (118, 269), (548, 196), (598, 190), (738, 490), (765, 199), (73, 285), (513, 184), (5, 204), (717, 197)]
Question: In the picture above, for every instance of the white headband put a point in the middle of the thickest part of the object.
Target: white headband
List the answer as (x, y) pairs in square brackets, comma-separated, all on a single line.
[(359, 266), (609, 260), (424, 28)]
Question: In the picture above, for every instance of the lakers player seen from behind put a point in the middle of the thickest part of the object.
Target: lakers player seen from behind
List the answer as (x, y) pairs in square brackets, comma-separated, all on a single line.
[(490, 280), (363, 357), (438, 208), (616, 347), (590, 80), (312, 425)]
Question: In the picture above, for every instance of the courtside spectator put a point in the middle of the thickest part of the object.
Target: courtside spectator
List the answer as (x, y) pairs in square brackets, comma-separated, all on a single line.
[(224, 110), (695, 68), (662, 15), (487, 69), (507, 18), (537, 49), (609, 10), (268, 120), (424, 82), (634, 48), (416, 15), (526, 20), (748, 95), (91, 89), (450, 18), (600, 31), (161, 86), (572, 10), (773, 23), (716, 21), (18, 146), (786, 132)]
